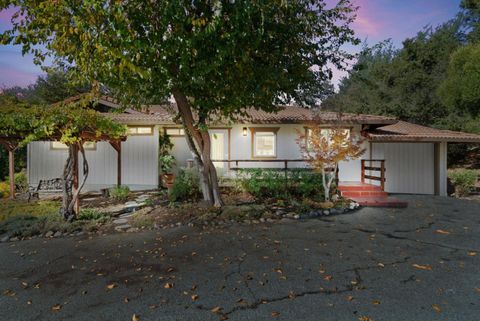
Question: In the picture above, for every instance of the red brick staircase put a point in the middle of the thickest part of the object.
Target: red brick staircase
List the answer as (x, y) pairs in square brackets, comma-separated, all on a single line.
[(369, 195)]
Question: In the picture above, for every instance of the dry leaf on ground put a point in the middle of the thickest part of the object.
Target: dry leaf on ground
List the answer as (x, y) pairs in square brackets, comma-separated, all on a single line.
[(56, 307), (442, 232), (135, 317), (168, 285), (422, 267), (436, 308), (216, 310), (275, 314)]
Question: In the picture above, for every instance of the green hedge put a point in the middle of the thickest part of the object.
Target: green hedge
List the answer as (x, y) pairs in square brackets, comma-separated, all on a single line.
[(464, 180), (276, 183)]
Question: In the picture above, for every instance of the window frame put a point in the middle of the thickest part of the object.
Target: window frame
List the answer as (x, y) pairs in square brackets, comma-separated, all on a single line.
[(180, 129), (254, 131), (140, 134)]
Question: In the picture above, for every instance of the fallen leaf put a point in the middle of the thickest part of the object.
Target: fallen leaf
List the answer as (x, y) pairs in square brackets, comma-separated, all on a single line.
[(216, 310), (194, 297), (349, 298), (436, 308), (381, 265), (328, 277), (126, 300), (168, 285), (364, 318), (56, 307), (153, 306), (442, 232), (111, 286), (472, 253), (24, 285), (170, 269), (29, 302), (376, 302), (135, 317), (9, 292), (422, 267), (275, 314)]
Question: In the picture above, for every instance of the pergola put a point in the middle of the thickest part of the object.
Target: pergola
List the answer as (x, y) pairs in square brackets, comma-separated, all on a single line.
[(11, 143)]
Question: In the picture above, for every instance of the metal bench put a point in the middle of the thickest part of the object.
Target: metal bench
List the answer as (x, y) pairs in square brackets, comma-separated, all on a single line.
[(54, 185)]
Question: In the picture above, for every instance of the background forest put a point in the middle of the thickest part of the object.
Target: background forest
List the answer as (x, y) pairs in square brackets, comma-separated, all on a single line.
[(433, 80)]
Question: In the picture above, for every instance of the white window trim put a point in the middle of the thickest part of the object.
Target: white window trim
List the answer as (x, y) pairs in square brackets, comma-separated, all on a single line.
[(274, 131)]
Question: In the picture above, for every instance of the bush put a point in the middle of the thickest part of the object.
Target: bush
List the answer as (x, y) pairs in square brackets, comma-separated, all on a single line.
[(268, 183), (88, 214), (464, 180), (21, 181), (186, 186), (4, 189), (119, 192)]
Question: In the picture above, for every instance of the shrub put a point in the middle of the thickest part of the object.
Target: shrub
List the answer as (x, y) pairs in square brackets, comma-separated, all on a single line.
[(4, 189), (88, 214), (21, 181), (268, 183), (464, 180), (186, 186), (119, 192)]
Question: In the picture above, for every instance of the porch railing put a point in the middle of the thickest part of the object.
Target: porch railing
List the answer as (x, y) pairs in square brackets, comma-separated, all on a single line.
[(378, 167), (285, 163)]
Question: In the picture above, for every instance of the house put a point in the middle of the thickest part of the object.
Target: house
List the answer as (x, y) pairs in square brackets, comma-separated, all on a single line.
[(400, 157)]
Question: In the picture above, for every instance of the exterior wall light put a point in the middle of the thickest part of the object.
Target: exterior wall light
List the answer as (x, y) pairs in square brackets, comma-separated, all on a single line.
[(244, 131)]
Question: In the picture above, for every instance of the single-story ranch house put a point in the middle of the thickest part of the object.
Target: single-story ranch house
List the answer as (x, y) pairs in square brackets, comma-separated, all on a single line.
[(407, 158)]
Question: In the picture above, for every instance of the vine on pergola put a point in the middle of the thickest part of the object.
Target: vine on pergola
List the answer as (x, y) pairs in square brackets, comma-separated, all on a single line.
[(71, 123)]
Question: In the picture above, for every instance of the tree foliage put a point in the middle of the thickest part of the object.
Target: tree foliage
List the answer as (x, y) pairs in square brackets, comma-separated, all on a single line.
[(71, 124), (215, 57), (325, 148), (461, 89)]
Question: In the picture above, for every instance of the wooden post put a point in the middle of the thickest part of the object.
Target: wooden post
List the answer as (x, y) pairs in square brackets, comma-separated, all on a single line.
[(117, 145), (119, 164), (11, 172), (382, 174), (363, 171), (75, 178)]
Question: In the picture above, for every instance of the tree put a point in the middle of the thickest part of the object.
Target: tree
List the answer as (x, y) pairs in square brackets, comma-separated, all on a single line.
[(325, 148), (71, 124), (214, 57), (461, 89)]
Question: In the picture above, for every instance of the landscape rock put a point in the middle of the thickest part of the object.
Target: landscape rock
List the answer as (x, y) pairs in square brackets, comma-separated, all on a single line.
[(80, 233), (14, 239), (49, 234), (326, 212), (132, 229), (4, 239), (122, 227), (120, 221), (57, 234)]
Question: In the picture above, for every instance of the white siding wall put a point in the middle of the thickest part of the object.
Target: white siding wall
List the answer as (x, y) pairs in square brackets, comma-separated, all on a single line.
[(409, 167), (139, 163), (287, 148)]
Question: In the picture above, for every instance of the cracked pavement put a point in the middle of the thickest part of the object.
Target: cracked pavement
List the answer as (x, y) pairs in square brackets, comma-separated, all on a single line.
[(335, 268)]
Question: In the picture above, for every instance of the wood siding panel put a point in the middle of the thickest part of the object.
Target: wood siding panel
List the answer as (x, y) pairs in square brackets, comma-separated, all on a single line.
[(409, 167)]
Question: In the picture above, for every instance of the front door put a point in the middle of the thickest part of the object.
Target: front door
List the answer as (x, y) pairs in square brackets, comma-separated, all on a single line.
[(219, 150)]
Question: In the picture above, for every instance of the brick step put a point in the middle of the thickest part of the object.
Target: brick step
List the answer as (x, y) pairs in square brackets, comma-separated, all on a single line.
[(380, 202), (354, 188), (364, 193)]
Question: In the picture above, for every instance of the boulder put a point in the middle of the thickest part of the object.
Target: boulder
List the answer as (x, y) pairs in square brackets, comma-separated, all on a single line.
[(4, 239), (120, 221), (57, 234), (49, 234), (14, 239)]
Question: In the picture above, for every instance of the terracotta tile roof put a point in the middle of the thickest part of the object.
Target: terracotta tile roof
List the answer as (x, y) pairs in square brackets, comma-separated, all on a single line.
[(295, 114), (407, 132)]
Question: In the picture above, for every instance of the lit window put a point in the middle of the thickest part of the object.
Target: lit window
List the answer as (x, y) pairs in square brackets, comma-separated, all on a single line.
[(62, 146), (264, 143), (140, 130), (175, 131)]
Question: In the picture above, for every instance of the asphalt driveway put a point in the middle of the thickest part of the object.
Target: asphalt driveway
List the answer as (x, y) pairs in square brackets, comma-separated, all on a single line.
[(419, 263)]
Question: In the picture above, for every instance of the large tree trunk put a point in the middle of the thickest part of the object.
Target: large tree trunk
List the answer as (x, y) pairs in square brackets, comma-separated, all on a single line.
[(200, 145), (69, 196)]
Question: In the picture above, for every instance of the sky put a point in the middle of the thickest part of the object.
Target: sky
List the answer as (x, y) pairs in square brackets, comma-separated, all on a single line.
[(377, 20)]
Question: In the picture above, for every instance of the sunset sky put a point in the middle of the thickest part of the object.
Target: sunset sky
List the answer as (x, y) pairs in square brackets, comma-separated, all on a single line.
[(377, 20)]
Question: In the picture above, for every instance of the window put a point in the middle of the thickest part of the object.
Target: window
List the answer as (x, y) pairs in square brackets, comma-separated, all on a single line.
[(326, 132), (175, 131), (140, 130), (264, 142), (62, 146)]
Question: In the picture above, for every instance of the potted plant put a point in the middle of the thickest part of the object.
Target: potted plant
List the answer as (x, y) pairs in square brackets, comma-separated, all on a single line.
[(166, 161)]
